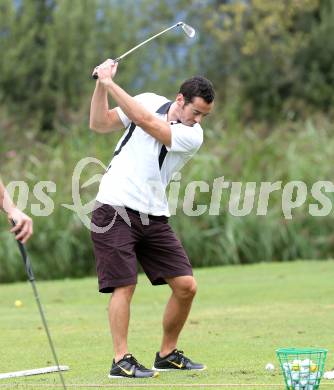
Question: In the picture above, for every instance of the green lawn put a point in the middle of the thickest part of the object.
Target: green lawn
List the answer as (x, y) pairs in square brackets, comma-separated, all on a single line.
[(240, 316)]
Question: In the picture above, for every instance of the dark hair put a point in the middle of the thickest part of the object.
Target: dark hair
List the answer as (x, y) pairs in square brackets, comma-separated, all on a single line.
[(197, 86)]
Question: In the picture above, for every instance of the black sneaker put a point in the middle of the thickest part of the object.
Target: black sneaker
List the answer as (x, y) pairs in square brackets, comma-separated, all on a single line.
[(128, 367), (176, 361)]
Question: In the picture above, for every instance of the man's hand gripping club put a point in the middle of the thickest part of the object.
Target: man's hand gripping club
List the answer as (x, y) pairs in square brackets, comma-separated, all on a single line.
[(106, 71)]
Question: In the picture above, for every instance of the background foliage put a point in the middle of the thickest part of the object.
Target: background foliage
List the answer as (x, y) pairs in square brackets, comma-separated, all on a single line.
[(271, 64)]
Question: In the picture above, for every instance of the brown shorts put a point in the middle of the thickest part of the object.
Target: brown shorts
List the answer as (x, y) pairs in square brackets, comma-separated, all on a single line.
[(152, 242)]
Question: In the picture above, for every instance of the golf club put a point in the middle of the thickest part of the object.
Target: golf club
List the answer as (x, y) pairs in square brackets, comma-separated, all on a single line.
[(31, 278), (188, 30)]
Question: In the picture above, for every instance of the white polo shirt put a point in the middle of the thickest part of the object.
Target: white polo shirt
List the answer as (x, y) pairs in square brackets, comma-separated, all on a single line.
[(142, 167)]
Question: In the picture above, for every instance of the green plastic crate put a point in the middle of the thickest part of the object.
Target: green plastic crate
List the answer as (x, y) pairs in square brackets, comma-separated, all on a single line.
[(302, 368)]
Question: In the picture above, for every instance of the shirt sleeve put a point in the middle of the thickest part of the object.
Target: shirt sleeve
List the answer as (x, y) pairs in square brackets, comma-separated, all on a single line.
[(185, 139), (125, 120)]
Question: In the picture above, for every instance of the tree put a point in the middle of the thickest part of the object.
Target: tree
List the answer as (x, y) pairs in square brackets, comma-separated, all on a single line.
[(25, 43), (273, 57)]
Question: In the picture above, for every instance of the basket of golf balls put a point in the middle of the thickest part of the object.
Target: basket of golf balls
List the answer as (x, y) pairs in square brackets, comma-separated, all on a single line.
[(302, 368)]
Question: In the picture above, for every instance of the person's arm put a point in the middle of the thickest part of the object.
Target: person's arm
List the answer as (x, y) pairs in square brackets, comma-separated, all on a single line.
[(23, 224), (154, 126), (103, 120)]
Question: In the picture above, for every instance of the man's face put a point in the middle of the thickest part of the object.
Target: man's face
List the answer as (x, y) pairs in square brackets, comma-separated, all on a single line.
[(193, 112)]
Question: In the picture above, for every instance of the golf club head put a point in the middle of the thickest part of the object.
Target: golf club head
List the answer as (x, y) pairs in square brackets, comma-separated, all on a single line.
[(189, 31)]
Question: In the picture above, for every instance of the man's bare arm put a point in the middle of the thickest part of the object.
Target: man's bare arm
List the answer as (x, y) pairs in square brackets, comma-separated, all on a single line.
[(154, 126), (6, 204), (103, 120), (23, 228)]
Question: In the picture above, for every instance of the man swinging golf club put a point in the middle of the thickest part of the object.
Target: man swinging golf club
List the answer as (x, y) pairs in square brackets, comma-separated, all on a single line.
[(130, 221), (23, 228)]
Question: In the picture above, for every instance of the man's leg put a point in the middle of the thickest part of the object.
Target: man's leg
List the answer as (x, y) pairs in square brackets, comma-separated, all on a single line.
[(177, 310), (119, 316)]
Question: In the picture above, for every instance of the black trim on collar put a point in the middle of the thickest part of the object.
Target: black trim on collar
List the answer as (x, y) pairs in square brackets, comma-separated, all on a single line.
[(163, 152), (164, 108)]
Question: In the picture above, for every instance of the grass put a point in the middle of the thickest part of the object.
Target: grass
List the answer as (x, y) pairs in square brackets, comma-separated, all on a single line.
[(240, 316)]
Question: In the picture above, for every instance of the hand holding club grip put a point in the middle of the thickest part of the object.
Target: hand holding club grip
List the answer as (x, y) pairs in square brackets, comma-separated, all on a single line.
[(24, 255), (95, 76)]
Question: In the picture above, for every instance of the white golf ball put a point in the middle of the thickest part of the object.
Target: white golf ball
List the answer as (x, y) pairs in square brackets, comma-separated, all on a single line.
[(329, 374), (270, 367)]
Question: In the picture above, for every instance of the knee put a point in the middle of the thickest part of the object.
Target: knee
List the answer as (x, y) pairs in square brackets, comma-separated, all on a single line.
[(187, 289), (124, 292)]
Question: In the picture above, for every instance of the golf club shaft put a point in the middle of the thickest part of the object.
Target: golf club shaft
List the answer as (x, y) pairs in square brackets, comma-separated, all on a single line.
[(143, 43), (31, 278), (95, 76), (48, 333)]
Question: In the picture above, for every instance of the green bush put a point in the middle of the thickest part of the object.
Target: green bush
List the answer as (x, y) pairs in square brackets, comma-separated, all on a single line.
[(61, 245), (289, 153)]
